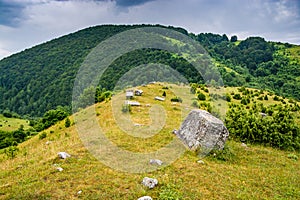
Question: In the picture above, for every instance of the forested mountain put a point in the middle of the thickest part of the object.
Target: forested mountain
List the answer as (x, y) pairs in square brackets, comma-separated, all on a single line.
[(41, 78)]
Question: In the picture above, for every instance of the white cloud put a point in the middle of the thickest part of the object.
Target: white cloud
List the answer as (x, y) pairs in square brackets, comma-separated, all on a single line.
[(42, 20)]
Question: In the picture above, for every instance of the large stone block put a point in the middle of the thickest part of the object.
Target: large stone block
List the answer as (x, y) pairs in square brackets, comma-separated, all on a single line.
[(202, 130)]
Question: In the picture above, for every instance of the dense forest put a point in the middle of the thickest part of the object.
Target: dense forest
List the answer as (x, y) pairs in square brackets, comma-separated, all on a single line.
[(39, 79)]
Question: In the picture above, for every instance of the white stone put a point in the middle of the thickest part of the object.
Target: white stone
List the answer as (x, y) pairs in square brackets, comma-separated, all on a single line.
[(145, 198), (63, 155), (59, 169), (243, 145), (79, 192), (156, 162), (149, 182), (200, 162)]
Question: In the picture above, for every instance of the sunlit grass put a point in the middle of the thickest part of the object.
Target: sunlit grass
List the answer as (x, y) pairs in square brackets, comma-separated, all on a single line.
[(11, 124), (255, 172)]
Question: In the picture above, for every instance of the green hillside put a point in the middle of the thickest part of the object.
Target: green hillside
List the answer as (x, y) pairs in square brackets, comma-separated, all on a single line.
[(41, 78), (238, 172), (11, 124)]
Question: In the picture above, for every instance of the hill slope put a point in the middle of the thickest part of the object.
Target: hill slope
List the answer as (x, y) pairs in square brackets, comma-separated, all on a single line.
[(239, 172), (41, 78)]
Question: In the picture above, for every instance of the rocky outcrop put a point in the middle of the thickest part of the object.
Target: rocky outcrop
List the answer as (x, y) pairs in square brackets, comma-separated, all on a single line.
[(202, 130)]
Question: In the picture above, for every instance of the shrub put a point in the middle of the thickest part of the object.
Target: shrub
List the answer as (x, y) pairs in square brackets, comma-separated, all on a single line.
[(237, 96), (279, 130), (201, 96), (176, 99), (42, 135), (195, 104), (228, 97), (7, 113), (276, 98), (225, 154), (67, 122), (11, 151)]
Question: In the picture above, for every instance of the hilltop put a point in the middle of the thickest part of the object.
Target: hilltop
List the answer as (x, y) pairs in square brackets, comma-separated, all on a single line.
[(41, 78), (240, 171)]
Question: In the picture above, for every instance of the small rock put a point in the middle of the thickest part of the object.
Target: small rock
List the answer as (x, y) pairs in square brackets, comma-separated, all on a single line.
[(150, 182), (63, 155), (79, 192), (174, 131), (200, 162), (263, 114), (243, 145), (59, 169), (156, 162), (145, 198), (48, 142)]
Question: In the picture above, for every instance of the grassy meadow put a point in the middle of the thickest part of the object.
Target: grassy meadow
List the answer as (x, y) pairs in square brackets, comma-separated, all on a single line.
[(239, 172)]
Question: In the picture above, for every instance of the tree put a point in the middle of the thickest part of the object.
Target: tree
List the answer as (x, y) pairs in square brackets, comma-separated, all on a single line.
[(233, 38), (67, 122)]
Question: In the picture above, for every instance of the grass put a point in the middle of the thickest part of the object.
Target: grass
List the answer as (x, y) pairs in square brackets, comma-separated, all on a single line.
[(253, 172), (11, 124)]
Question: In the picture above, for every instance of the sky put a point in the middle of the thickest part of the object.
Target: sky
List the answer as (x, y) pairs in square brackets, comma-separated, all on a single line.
[(26, 23)]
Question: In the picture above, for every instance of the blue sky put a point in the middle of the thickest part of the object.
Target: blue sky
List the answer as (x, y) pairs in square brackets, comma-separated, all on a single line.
[(25, 23)]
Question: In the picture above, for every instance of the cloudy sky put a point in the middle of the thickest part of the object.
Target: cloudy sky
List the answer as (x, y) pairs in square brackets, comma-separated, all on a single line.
[(25, 23)]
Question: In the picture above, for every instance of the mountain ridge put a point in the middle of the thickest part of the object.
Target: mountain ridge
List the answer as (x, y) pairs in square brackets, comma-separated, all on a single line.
[(41, 78)]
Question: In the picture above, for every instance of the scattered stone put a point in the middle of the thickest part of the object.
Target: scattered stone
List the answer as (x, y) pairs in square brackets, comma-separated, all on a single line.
[(59, 169), (148, 105), (174, 131), (156, 162), (200, 162), (159, 98), (202, 130), (263, 114), (243, 145), (138, 124), (63, 155), (48, 142), (145, 198), (79, 192), (150, 182)]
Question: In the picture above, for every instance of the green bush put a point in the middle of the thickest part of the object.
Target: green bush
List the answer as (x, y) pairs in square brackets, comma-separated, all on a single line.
[(228, 97), (195, 104), (176, 99), (279, 130), (67, 122), (201, 96), (225, 154), (42, 135), (237, 96), (11, 151)]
